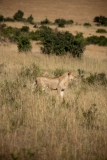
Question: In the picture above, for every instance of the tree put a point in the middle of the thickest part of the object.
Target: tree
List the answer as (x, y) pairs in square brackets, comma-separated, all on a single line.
[(18, 15)]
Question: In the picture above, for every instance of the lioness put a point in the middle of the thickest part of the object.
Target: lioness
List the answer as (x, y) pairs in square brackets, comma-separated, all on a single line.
[(59, 84)]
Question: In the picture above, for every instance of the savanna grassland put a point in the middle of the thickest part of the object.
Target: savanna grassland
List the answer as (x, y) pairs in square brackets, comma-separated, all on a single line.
[(39, 125)]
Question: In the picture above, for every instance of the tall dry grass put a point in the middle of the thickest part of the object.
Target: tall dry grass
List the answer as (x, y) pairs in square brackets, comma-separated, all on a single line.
[(41, 126)]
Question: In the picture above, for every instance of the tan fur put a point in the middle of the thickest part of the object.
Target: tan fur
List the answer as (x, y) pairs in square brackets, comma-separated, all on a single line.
[(59, 84)]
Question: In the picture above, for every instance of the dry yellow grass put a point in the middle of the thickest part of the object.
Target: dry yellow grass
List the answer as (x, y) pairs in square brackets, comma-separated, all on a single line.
[(43, 127), (39, 125)]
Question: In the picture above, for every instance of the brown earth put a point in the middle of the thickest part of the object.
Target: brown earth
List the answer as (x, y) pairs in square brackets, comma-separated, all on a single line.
[(80, 11)]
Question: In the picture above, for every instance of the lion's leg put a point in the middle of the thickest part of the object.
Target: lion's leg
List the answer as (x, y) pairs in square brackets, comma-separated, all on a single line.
[(61, 94)]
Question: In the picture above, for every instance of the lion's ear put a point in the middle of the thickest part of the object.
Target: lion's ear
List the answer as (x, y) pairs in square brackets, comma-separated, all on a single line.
[(68, 73)]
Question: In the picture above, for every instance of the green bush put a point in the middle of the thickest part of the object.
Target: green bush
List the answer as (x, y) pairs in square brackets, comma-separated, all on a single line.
[(34, 36), (18, 16), (69, 21), (97, 78), (87, 24), (11, 33), (101, 20), (8, 31), (101, 31), (8, 19), (35, 25), (43, 32), (62, 43), (1, 18), (24, 44), (101, 41), (60, 22), (46, 21), (30, 19), (25, 29), (2, 27)]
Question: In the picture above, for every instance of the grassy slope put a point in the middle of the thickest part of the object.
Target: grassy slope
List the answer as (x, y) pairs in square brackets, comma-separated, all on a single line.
[(40, 126)]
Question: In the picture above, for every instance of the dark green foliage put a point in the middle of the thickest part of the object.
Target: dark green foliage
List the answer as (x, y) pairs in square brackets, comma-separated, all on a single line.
[(87, 24), (58, 43), (25, 29), (1, 18), (30, 19), (69, 21), (101, 41), (8, 31), (2, 27), (97, 78), (101, 20), (101, 31), (62, 43), (34, 35), (11, 33), (78, 45), (18, 16), (43, 33), (62, 22), (24, 44), (9, 19), (35, 26), (46, 21)]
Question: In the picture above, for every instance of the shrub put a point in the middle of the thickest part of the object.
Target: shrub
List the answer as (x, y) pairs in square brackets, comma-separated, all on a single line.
[(30, 19), (2, 27), (8, 19), (24, 44), (60, 22), (8, 31), (78, 45), (62, 43), (35, 25), (101, 31), (99, 78), (46, 21), (25, 29), (101, 41), (43, 33), (87, 24), (101, 20), (69, 21), (18, 16), (11, 33), (1, 18)]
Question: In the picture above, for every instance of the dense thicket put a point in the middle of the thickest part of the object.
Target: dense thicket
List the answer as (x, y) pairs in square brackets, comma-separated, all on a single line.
[(101, 20)]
